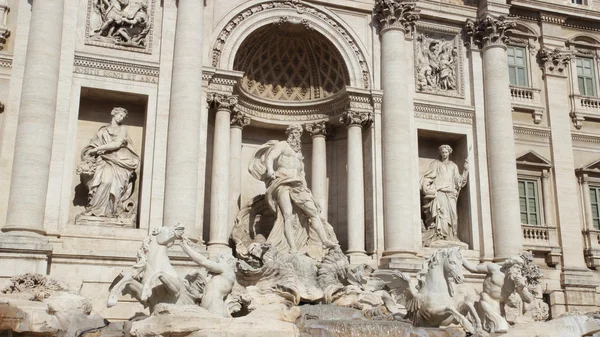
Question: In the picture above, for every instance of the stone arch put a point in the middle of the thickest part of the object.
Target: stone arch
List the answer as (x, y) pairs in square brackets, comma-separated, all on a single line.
[(235, 28), (586, 40)]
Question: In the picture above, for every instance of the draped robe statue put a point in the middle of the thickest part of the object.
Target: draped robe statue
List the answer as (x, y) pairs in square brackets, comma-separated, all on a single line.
[(440, 186)]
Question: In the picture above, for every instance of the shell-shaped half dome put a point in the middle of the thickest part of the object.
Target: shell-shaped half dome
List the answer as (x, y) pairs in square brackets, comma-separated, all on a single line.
[(290, 63)]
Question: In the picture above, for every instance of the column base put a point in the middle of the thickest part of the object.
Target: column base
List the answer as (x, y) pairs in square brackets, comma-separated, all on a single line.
[(215, 249), (24, 252), (357, 258), (405, 261)]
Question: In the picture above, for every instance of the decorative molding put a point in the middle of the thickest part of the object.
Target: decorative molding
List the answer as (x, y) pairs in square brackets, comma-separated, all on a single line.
[(6, 61), (317, 129), (554, 62), (529, 131), (356, 118), (443, 113), (239, 120), (301, 9), (489, 31), (221, 101), (113, 69), (586, 138), (136, 36), (396, 14), (438, 61)]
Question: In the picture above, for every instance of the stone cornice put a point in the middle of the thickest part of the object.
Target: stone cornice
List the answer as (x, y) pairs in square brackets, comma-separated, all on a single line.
[(443, 113), (316, 129), (489, 31), (115, 69), (554, 62), (239, 120), (395, 14), (529, 131), (221, 101), (356, 118)]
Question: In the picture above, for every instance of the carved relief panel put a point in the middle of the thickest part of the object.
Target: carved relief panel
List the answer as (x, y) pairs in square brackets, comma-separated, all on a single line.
[(120, 24), (438, 61)]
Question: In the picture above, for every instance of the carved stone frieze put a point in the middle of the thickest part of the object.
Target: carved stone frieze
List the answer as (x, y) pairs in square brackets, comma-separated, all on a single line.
[(442, 113), (301, 9), (4, 32), (120, 24), (221, 101), (438, 67), (554, 62), (239, 120), (117, 70), (317, 129), (488, 31), (396, 14), (356, 118)]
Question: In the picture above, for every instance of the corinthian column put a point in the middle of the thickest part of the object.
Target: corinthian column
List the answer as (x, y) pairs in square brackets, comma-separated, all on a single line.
[(355, 121), (35, 130), (185, 117), (318, 131), (398, 137), (488, 35), (237, 123), (219, 189)]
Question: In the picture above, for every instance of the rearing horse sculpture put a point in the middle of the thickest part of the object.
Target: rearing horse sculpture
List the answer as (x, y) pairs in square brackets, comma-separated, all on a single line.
[(432, 302), (152, 279)]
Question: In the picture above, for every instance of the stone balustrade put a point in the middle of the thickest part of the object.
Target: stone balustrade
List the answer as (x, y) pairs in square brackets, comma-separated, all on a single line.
[(591, 238), (528, 99), (542, 239), (583, 107)]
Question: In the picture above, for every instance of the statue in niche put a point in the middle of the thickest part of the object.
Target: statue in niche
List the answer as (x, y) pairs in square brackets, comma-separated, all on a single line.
[(107, 168), (298, 226), (440, 186), (517, 275), (437, 61), (122, 22)]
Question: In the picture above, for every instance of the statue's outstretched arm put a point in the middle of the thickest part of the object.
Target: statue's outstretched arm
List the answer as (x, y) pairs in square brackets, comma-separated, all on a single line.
[(481, 268), (200, 259)]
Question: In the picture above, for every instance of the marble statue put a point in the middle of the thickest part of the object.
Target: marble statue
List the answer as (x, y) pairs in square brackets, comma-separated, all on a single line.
[(219, 286), (433, 303), (440, 186), (122, 22), (437, 61), (108, 169), (515, 275), (298, 226)]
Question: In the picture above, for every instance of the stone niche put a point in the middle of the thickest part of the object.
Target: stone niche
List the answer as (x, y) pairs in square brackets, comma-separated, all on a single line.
[(95, 108), (429, 142)]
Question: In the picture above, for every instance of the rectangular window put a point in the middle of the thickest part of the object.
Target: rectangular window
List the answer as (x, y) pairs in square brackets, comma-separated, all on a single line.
[(586, 79), (577, 2), (528, 202), (517, 66), (595, 201)]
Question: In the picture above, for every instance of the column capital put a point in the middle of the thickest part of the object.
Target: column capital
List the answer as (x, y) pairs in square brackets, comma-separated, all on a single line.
[(239, 120), (554, 62), (356, 118), (396, 14), (221, 101), (489, 31), (316, 129)]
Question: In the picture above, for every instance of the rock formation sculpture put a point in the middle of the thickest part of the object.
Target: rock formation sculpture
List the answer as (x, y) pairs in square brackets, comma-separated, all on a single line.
[(440, 186), (121, 22), (107, 168)]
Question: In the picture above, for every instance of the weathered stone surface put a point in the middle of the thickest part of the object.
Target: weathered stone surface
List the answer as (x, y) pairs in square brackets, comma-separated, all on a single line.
[(565, 326), (193, 321)]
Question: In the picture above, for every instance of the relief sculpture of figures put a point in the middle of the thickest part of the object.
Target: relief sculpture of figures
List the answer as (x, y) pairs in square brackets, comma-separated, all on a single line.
[(122, 22), (436, 64), (440, 186), (298, 227), (108, 170)]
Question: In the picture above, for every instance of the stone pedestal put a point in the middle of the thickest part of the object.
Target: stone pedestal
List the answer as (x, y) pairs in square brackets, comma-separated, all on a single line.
[(319, 185), (185, 118), (401, 229), (219, 190)]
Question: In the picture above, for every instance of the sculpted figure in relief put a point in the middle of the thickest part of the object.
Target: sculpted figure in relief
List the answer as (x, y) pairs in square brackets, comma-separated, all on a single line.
[(516, 275), (436, 64), (107, 168), (123, 22), (298, 226), (440, 186)]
